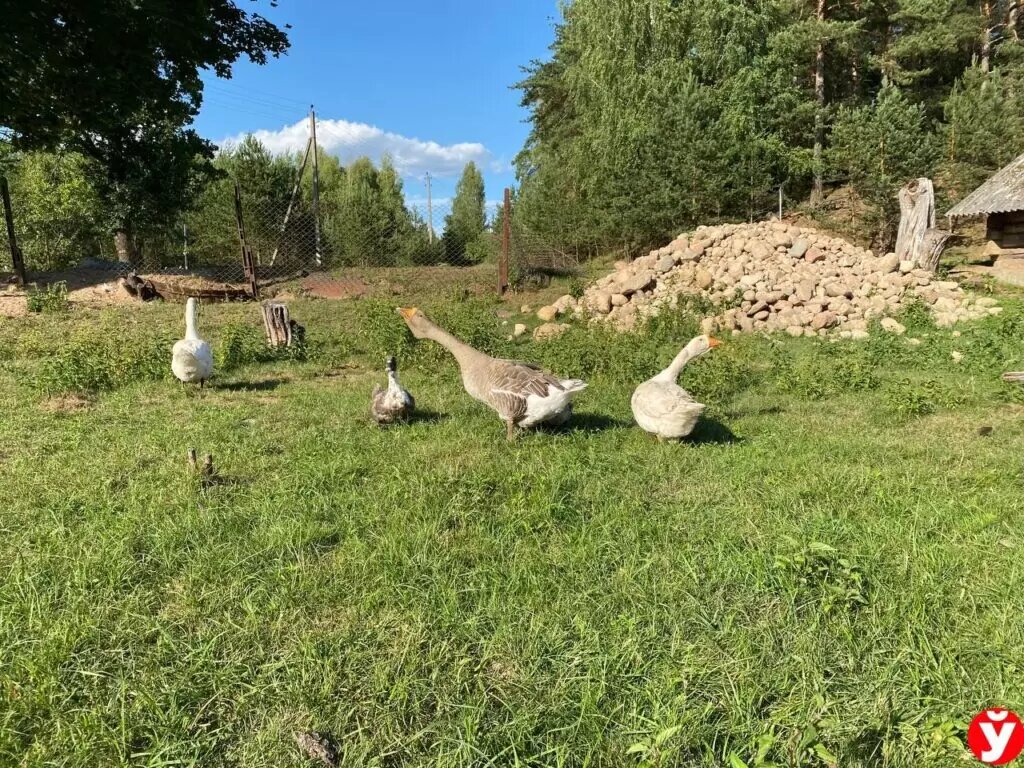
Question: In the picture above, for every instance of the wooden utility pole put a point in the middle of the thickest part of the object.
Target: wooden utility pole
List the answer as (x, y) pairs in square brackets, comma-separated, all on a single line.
[(506, 222), (291, 200), (430, 213), (248, 266), (17, 262), (316, 186), (818, 191), (184, 244)]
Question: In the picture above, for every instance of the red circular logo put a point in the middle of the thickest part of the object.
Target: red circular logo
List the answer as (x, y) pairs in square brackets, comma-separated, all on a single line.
[(996, 736)]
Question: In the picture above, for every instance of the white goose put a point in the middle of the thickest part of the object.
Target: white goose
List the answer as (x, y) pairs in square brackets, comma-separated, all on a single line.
[(394, 403), (191, 358), (662, 407)]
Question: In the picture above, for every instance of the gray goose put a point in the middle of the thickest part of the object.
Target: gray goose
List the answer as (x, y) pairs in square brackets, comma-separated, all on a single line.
[(522, 394), (394, 403)]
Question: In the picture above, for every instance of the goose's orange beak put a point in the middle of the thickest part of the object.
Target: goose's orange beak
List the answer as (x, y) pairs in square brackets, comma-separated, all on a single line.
[(713, 342), (407, 312)]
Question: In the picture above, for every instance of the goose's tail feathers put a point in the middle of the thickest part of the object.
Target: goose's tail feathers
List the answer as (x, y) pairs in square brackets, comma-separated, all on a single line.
[(573, 385)]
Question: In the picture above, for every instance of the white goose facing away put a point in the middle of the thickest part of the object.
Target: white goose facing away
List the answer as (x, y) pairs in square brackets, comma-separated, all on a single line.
[(662, 407), (191, 358), (522, 394), (394, 403)]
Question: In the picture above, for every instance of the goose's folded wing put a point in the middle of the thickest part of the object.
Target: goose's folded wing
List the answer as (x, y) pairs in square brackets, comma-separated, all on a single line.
[(512, 383), (666, 405)]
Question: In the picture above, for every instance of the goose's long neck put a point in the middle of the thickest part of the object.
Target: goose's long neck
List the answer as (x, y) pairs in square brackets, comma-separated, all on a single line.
[(676, 366), (393, 385), (464, 354), (191, 321)]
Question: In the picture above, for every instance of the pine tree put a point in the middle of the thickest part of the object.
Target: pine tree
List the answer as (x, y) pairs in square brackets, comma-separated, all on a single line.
[(467, 219)]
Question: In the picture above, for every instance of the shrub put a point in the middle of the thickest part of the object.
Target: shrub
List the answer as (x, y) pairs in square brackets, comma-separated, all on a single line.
[(52, 298), (243, 344), (103, 361), (908, 399)]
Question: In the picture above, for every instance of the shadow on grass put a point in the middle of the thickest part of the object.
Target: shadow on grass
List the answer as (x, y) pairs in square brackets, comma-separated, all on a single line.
[(264, 385), (584, 422), (418, 417), (712, 431)]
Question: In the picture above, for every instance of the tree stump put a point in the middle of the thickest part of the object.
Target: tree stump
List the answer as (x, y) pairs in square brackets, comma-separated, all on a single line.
[(932, 246), (277, 324), (917, 216)]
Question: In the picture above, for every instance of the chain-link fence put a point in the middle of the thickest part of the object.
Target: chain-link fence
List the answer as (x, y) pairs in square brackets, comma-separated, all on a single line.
[(236, 243)]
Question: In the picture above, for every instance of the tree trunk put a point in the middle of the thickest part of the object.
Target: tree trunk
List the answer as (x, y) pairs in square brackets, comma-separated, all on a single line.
[(818, 193), (986, 37), (124, 244), (917, 216)]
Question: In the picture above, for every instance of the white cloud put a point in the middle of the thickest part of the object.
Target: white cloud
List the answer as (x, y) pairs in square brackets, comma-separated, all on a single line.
[(347, 140)]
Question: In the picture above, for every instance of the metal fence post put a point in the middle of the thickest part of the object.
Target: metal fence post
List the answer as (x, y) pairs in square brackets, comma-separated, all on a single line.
[(17, 261), (248, 266), (505, 243)]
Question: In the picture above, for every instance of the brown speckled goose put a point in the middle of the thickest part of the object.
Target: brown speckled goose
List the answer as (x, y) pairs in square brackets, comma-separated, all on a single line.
[(522, 394)]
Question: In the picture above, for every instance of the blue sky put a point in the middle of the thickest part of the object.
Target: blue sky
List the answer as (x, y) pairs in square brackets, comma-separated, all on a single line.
[(426, 81)]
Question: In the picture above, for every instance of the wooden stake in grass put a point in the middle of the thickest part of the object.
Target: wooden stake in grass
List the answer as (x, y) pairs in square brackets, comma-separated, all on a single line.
[(193, 461), (1014, 376)]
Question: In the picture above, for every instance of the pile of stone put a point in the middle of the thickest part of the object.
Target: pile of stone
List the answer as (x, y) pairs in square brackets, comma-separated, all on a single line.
[(772, 276)]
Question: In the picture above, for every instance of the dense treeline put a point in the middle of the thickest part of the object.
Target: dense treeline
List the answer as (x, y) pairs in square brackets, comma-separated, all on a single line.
[(651, 116), (364, 220)]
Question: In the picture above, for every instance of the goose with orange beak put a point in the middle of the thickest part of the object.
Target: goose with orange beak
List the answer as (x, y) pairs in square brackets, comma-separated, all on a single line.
[(662, 407), (522, 394)]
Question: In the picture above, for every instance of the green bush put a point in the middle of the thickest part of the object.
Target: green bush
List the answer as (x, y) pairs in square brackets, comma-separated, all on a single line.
[(827, 370), (52, 298), (242, 344), (102, 361)]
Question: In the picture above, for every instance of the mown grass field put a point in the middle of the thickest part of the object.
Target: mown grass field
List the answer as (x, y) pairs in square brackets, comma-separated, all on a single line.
[(830, 573)]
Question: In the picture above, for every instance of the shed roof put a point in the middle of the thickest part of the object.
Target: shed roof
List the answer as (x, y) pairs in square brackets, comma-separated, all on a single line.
[(1002, 193)]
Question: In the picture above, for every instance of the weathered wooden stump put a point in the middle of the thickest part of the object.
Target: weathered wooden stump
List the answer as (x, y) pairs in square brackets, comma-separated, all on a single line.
[(277, 324)]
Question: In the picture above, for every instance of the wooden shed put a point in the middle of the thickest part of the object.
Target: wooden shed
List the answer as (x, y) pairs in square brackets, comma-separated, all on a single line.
[(1001, 201)]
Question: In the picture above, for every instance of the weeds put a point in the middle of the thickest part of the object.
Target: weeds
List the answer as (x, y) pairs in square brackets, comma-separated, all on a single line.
[(818, 573), (53, 298)]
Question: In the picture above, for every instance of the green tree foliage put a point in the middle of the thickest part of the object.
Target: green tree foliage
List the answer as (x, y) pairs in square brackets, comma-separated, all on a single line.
[(650, 117), (119, 83), (467, 220), (973, 147), (879, 148), (57, 215)]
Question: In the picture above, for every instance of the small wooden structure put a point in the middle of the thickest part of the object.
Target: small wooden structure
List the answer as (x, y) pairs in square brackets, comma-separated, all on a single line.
[(281, 330), (1001, 201)]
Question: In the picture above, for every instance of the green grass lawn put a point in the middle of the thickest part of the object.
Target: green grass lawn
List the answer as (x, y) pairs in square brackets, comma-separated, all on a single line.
[(830, 573)]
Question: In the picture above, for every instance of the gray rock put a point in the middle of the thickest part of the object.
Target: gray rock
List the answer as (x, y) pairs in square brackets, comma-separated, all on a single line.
[(619, 300), (638, 282), (893, 326), (549, 331), (823, 320), (665, 263), (518, 330), (889, 263), (547, 314), (799, 248)]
